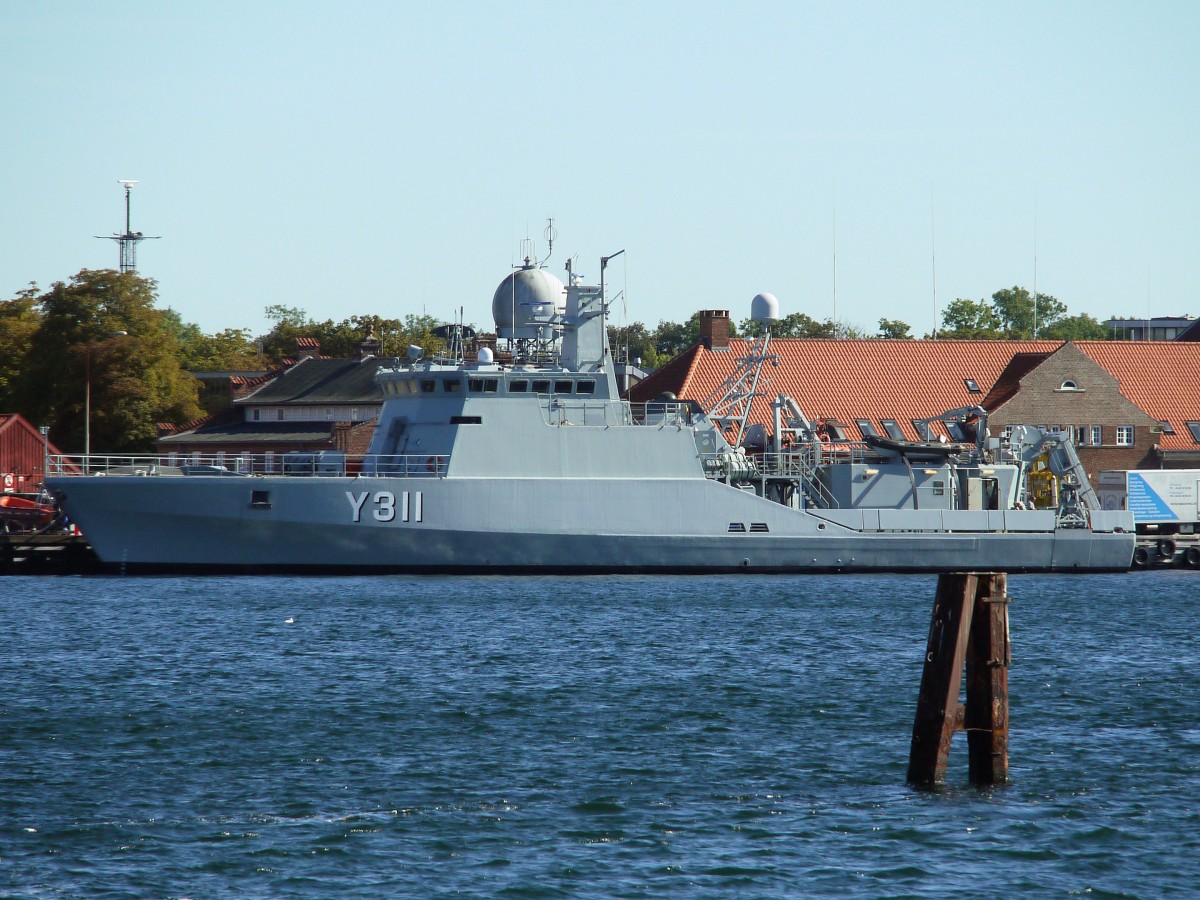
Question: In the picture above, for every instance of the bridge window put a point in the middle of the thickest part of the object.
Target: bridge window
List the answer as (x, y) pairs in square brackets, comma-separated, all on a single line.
[(562, 387), (586, 387), (452, 386), (541, 386), (428, 386), (520, 386)]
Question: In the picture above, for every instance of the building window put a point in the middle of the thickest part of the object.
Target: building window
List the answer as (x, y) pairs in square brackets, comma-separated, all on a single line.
[(255, 415), (1124, 435), (1166, 427), (269, 461), (972, 385), (279, 414), (865, 427), (1194, 428), (892, 427), (923, 430), (1097, 435), (1069, 385)]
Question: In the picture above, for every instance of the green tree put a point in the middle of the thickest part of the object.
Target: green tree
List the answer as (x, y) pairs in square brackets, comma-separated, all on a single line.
[(102, 331), (19, 321), (796, 325), (894, 329), (341, 339), (970, 319), (672, 338), (1015, 311), (1076, 328), (635, 341)]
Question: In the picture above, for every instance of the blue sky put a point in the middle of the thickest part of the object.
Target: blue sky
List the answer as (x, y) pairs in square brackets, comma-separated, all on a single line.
[(388, 158)]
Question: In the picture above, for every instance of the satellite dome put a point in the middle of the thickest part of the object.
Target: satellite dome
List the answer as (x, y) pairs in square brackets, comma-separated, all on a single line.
[(485, 355), (764, 308), (526, 301)]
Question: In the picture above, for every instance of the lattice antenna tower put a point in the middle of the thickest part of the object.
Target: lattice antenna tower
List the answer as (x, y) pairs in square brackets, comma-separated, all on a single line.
[(729, 405), (130, 239)]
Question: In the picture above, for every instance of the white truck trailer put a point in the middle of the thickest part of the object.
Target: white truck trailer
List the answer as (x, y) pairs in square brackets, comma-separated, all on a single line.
[(1166, 511)]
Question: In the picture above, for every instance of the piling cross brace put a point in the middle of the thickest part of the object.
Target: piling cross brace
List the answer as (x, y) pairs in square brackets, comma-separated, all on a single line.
[(969, 626)]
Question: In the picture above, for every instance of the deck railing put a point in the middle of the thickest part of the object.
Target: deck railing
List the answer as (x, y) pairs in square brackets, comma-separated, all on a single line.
[(279, 465)]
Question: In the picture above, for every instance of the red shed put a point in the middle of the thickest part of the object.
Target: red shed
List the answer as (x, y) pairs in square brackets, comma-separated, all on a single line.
[(22, 454)]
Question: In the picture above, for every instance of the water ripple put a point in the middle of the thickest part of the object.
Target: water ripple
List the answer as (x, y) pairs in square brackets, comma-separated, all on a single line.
[(620, 737)]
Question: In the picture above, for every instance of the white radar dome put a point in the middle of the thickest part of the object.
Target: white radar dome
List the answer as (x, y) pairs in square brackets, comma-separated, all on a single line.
[(526, 301), (764, 308), (485, 355)]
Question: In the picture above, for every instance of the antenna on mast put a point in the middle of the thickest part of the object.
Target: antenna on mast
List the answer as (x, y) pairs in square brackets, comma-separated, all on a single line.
[(1035, 297), (130, 239), (835, 254), (933, 261)]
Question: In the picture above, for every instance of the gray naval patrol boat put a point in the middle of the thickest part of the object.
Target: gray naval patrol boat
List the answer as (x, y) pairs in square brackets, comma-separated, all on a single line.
[(530, 462)]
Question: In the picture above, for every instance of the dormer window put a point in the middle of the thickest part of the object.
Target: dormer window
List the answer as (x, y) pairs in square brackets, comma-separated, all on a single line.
[(1069, 385), (972, 385)]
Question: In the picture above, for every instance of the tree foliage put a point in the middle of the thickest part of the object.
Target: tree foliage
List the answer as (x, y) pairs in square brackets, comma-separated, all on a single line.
[(1011, 314), (1076, 328), (19, 320), (1018, 316), (101, 330), (894, 329), (970, 319), (342, 338)]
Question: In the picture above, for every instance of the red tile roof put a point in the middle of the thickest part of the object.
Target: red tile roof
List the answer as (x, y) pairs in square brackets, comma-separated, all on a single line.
[(1162, 377), (904, 380), (852, 379)]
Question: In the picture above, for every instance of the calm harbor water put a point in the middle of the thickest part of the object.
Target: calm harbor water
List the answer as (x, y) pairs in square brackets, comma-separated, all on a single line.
[(599, 737)]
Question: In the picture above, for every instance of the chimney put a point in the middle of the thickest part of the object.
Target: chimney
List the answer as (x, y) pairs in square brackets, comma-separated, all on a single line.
[(307, 348), (714, 329), (370, 345)]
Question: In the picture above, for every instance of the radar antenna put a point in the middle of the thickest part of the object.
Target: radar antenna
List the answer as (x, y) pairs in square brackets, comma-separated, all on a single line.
[(130, 239)]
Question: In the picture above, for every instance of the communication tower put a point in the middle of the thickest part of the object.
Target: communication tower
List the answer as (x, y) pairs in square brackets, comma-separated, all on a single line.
[(130, 239)]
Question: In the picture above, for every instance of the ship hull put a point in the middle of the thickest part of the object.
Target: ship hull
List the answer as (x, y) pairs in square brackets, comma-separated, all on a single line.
[(544, 526)]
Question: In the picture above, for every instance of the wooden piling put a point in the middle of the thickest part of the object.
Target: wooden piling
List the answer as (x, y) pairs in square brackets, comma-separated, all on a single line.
[(969, 626)]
